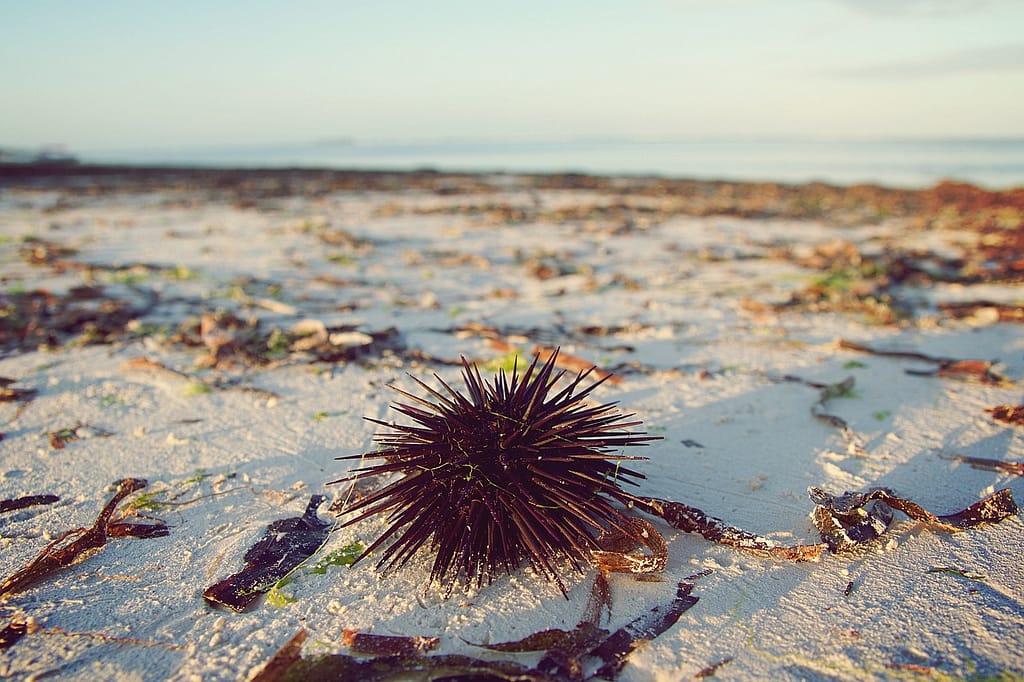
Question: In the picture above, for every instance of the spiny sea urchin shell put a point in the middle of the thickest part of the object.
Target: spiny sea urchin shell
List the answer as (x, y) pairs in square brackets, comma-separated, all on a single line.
[(511, 469)]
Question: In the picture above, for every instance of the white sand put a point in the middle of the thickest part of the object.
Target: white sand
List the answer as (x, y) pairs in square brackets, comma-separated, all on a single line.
[(759, 446)]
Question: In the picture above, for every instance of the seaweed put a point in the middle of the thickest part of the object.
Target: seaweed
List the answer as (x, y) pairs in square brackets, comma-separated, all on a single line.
[(10, 635), (10, 395), (987, 464), (1008, 414), (285, 544), (280, 663), (618, 549), (26, 501), (551, 638), (83, 315), (614, 651), (710, 670), (826, 393), (584, 653), (692, 520), (843, 521), (449, 667), (980, 371), (58, 554), (854, 518), (959, 573), (387, 645), (61, 437)]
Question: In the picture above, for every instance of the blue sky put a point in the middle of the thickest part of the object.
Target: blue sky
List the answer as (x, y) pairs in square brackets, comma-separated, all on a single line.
[(110, 74)]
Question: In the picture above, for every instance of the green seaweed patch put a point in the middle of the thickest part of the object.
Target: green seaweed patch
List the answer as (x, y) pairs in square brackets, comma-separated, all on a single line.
[(128, 276), (148, 501), (505, 363), (321, 415), (194, 388), (166, 497), (111, 401), (180, 273), (342, 259), (198, 477), (948, 570), (345, 556), (842, 389), (276, 597)]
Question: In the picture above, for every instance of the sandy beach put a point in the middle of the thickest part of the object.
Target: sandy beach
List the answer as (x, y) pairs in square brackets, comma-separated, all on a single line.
[(221, 336)]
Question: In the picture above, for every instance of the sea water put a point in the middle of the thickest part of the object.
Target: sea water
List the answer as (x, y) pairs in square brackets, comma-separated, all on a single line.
[(911, 163)]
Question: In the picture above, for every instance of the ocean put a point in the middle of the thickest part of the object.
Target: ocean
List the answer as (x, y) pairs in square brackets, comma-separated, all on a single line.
[(910, 163)]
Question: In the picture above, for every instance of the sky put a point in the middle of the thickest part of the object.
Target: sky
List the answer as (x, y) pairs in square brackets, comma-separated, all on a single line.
[(108, 74)]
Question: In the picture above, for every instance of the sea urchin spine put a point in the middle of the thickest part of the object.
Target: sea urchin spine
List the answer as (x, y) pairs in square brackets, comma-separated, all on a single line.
[(509, 470)]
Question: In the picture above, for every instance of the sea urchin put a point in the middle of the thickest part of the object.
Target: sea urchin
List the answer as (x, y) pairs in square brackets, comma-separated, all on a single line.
[(512, 469)]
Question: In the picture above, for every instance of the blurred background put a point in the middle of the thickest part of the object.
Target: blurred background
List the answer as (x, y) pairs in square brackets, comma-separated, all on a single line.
[(897, 92)]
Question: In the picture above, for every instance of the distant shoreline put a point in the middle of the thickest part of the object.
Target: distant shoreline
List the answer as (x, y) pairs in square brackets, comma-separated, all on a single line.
[(907, 164), (263, 189), (58, 170)]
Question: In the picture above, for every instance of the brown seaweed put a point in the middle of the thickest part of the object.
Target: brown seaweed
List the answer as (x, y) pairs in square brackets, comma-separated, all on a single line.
[(9, 395), (387, 645), (553, 638), (10, 635), (569, 654), (692, 520), (1008, 414), (614, 651), (285, 544), (980, 371), (710, 670), (60, 438), (42, 318), (26, 501), (452, 667), (618, 550), (58, 554), (854, 518), (279, 664), (819, 410), (987, 464)]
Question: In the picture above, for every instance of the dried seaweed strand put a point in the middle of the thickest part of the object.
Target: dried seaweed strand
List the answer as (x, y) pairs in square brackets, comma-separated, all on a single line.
[(26, 501), (107, 638), (692, 520), (828, 392), (387, 645), (10, 395), (279, 664), (599, 602), (1008, 414), (975, 370), (55, 557), (819, 410), (614, 651), (987, 464), (854, 518), (552, 638), (566, 653), (395, 668), (622, 558), (10, 635), (285, 544), (710, 670)]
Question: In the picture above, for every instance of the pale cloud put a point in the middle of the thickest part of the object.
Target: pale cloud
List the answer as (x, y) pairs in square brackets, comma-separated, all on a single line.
[(976, 60), (919, 8)]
